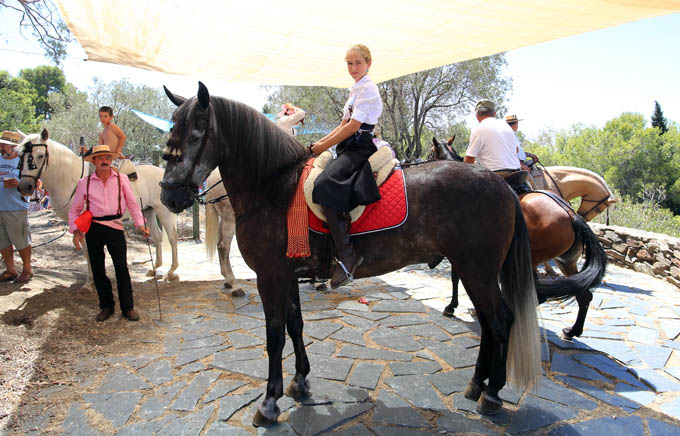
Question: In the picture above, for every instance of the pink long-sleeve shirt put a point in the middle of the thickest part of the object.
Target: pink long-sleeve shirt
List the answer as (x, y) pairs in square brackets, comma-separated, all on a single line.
[(104, 200)]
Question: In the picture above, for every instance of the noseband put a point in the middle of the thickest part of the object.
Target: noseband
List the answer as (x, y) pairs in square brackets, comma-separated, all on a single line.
[(597, 203), (28, 152), (175, 155)]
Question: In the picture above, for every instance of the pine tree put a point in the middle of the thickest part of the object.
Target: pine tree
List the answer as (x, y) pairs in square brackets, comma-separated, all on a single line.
[(658, 119)]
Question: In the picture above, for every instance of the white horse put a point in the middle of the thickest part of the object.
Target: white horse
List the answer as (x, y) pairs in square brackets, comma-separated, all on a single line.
[(220, 222), (60, 169)]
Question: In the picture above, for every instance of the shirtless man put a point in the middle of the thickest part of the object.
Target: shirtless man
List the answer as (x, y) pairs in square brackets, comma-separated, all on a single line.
[(113, 136)]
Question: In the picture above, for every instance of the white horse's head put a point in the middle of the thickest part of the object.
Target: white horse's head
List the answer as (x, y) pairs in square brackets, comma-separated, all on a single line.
[(33, 159), (289, 117)]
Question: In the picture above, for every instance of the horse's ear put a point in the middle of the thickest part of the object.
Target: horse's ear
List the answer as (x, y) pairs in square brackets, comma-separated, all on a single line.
[(22, 134), (434, 141), (174, 98), (44, 135), (450, 141), (203, 96)]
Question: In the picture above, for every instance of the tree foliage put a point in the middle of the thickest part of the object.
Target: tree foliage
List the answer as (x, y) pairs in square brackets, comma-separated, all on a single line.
[(415, 107), (632, 157), (45, 23), (45, 80), (658, 120), (17, 108)]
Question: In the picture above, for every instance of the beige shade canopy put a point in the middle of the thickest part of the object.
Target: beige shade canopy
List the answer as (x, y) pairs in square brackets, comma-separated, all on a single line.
[(304, 42)]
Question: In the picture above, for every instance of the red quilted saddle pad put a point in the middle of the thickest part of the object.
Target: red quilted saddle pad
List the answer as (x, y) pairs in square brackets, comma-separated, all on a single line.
[(389, 212)]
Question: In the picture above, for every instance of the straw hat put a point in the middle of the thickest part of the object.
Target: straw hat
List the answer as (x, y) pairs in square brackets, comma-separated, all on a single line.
[(512, 119), (10, 138), (99, 150)]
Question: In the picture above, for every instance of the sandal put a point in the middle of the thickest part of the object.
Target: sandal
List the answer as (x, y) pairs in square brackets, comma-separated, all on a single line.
[(23, 278), (8, 276)]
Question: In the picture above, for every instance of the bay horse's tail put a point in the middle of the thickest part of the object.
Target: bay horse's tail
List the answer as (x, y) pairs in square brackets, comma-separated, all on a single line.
[(590, 275), (517, 282), (211, 229)]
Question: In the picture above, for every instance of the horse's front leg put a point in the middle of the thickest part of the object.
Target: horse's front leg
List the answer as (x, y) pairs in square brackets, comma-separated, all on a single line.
[(299, 386), (275, 304), (89, 282), (225, 234)]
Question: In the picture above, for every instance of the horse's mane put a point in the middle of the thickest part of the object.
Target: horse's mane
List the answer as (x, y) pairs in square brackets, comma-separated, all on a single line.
[(273, 158), (54, 146), (586, 171)]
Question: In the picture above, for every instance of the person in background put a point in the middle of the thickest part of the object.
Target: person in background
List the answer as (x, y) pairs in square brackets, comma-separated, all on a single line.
[(513, 122)]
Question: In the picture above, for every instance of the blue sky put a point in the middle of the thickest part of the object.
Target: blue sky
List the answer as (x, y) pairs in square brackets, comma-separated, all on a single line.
[(589, 78)]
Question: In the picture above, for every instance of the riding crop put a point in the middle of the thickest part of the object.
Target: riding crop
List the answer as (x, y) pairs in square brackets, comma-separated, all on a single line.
[(153, 266)]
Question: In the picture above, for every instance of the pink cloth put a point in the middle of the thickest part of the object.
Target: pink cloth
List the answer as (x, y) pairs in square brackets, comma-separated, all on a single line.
[(104, 201)]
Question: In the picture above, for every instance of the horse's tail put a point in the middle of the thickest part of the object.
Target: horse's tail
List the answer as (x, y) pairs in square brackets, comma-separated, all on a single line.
[(590, 275), (211, 228), (517, 281)]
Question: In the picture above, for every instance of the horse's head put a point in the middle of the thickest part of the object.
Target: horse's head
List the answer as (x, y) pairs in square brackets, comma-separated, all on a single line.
[(445, 151), (191, 152), (33, 159)]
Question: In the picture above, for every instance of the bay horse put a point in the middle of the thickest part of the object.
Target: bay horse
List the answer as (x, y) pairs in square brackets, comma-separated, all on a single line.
[(555, 232), (220, 222), (60, 169), (476, 222)]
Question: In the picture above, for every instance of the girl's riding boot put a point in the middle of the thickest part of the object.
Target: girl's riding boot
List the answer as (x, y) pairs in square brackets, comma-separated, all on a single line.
[(347, 258)]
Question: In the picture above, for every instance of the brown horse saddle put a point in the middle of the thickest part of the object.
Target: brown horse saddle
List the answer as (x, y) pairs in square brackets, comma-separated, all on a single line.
[(382, 164)]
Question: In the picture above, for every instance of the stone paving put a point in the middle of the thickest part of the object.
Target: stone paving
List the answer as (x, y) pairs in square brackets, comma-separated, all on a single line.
[(393, 366)]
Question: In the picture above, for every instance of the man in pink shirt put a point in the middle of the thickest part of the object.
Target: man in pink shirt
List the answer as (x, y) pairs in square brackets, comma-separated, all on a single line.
[(107, 194)]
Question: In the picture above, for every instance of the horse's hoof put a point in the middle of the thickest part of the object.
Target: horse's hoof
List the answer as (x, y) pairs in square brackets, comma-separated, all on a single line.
[(150, 273), (489, 404), (473, 390), (322, 287), (298, 391), (238, 293), (172, 277), (227, 285), (266, 418), (568, 334), (448, 312)]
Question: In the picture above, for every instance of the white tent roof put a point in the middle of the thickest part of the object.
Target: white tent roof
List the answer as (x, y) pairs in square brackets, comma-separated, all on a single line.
[(303, 42)]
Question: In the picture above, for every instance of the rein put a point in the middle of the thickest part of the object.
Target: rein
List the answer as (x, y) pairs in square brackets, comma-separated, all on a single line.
[(199, 197)]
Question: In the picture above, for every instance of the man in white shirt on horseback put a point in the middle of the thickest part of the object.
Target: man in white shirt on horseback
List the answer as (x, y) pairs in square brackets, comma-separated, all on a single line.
[(492, 142)]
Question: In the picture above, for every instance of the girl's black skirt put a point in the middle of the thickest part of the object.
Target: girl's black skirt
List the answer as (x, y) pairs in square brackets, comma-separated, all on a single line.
[(348, 181)]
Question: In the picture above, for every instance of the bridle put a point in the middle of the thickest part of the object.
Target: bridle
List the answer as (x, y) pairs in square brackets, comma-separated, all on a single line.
[(28, 150), (175, 155)]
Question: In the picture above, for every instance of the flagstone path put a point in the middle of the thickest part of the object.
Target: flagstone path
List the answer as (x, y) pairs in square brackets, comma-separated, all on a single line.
[(394, 366)]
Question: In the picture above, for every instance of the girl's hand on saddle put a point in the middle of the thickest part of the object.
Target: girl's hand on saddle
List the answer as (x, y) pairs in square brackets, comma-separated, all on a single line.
[(315, 149), (144, 231)]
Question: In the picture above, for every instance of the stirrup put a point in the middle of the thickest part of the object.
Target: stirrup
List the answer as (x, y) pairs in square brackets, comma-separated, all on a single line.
[(349, 275)]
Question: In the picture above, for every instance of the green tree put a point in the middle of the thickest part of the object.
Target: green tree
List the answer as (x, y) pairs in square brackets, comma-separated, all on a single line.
[(17, 110), (74, 116), (45, 79), (658, 120)]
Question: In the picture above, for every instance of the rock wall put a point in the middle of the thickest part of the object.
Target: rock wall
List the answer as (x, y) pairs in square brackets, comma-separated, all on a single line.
[(650, 253)]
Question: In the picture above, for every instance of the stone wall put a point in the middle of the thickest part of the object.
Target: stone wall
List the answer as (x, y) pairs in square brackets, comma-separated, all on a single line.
[(650, 253)]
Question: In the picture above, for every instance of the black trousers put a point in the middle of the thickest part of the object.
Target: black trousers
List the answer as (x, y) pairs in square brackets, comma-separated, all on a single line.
[(348, 181), (98, 237)]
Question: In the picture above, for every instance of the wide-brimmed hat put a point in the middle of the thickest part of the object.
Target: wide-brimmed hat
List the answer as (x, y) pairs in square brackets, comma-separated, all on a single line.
[(99, 150), (512, 119), (10, 138)]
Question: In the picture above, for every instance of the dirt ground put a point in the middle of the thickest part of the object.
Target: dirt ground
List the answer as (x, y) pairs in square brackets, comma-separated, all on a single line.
[(48, 324)]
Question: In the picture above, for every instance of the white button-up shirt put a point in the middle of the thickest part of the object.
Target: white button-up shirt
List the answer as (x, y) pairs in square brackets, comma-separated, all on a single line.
[(494, 145), (364, 99)]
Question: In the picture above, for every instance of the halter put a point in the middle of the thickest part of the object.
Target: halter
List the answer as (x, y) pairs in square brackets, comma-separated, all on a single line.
[(175, 155)]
